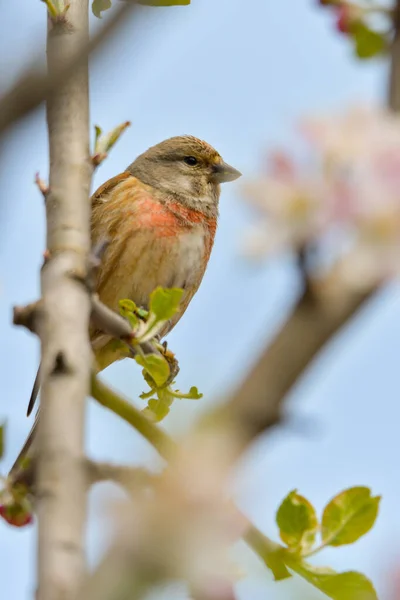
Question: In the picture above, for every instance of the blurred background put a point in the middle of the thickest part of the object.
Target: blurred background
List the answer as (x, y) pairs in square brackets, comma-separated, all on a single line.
[(238, 75)]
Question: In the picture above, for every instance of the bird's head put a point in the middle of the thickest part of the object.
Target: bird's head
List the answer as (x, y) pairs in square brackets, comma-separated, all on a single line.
[(187, 169)]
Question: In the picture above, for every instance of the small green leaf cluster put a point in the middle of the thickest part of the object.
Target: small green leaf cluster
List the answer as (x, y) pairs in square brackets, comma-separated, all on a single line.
[(368, 43), (103, 142), (159, 368), (359, 24), (346, 518)]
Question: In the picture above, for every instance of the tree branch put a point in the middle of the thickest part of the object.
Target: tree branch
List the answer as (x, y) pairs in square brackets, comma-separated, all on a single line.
[(66, 354), (35, 85), (394, 79), (28, 316), (256, 405), (128, 477), (129, 413), (265, 548)]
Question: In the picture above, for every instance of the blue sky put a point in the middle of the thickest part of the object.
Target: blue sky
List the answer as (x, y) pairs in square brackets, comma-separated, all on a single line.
[(237, 74)]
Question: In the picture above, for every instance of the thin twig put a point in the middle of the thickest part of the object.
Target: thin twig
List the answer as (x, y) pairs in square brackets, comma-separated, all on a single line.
[(104, 318), (129, 413), (127, 476), (272, 554), (108, 321), (42, 186), (28, 316), (114, 325)]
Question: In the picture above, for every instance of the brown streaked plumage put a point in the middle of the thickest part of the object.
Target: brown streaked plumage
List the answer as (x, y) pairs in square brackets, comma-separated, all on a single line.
[(160, 216)]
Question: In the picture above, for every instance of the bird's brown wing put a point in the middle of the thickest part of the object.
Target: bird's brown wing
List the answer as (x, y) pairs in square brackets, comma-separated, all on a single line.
[(115, 211), (108, 186)]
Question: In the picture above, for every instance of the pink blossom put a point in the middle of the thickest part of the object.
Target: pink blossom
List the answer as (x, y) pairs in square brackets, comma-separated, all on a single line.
[(351, 183)]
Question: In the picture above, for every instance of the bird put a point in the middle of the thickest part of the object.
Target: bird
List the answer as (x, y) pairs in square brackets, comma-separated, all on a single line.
[(160, 217)]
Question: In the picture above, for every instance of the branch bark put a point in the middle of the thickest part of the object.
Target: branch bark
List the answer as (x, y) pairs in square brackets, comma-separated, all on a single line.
[(64, 318), (394, 79)]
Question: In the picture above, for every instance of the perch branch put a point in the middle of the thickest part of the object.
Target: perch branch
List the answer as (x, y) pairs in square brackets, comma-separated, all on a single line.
[(104, 318), (108, 321)]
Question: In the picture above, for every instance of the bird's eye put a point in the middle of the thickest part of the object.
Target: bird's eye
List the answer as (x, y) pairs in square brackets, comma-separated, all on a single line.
[(191, 160)]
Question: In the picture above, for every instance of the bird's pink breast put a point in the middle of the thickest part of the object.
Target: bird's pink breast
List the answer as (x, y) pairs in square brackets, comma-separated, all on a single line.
[(167, 220), (162, 249)]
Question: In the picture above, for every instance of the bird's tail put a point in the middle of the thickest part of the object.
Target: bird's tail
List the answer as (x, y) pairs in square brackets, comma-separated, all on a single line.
[(34, 393), (18, 463), (24, 453)]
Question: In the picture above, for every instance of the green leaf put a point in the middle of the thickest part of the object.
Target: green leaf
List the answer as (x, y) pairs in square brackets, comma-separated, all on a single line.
[(272, 554), (116, 133), (156, 366), (98, 131), (99, 6), (127, 305), (339, 586), (2, 434), (157, 409), (164, 303), (165, 2), (368, 43), (142, 313), (104, 142), (275, 562), (127, 309), (348, 516), (193, 394), (297, 522), (147, 395)]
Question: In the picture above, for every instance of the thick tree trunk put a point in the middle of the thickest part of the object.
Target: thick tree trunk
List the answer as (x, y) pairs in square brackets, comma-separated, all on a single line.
[(64, 319)]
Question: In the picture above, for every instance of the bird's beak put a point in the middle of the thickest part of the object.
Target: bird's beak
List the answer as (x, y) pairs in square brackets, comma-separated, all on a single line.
[(223, 172)]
